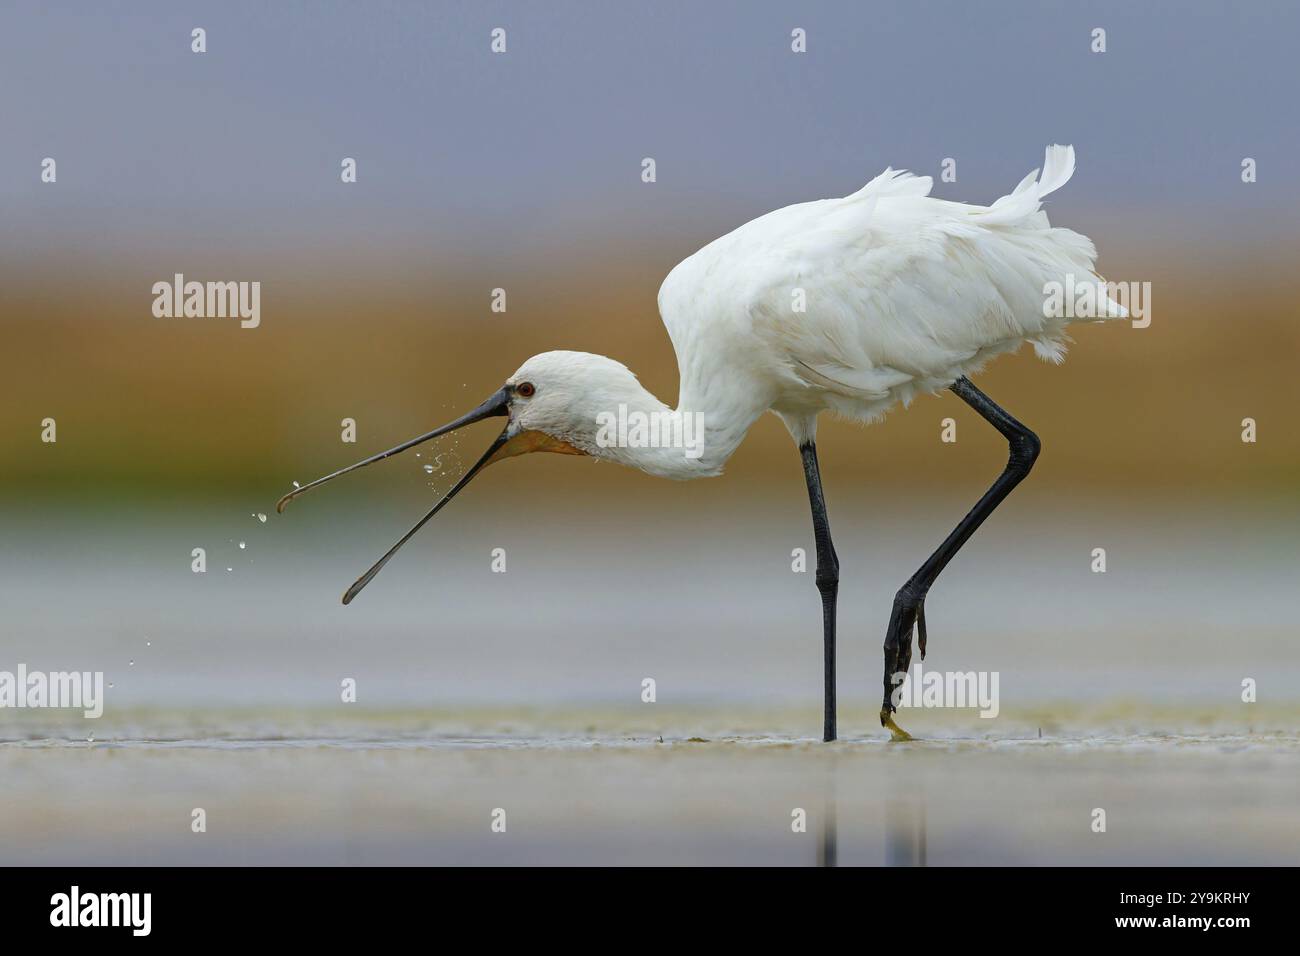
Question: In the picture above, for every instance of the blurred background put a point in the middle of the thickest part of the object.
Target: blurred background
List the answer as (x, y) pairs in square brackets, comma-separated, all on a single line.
[(522, 171)]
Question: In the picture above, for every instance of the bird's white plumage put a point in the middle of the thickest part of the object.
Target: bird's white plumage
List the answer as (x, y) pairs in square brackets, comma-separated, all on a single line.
[(902, 294)]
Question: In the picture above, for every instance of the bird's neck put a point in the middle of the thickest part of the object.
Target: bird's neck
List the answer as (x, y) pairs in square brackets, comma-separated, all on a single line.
[(693, 440)]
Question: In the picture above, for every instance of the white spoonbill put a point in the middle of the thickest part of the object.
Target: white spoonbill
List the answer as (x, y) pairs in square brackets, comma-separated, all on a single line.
[(900, 294)]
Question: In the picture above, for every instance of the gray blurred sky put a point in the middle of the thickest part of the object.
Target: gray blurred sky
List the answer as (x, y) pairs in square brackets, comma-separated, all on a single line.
[(462, 149)]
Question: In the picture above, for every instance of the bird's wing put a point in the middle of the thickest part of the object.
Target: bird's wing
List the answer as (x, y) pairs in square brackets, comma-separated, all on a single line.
[(884, 292), (922, 295)]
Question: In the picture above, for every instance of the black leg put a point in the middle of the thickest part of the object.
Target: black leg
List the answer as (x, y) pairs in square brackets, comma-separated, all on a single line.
[(909, 603), (828, 581)]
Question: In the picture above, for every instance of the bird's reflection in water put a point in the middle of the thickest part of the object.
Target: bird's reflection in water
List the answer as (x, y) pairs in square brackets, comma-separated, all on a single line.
[(905, 837), (828, 840), (905, 830)]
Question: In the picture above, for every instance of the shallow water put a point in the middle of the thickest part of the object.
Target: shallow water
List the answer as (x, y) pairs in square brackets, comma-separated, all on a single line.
[(420, 787), (522, 691), (594, 601)]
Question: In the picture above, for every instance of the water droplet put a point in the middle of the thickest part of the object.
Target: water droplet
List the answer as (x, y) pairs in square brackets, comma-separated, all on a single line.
[(428, 469), (261, 517), (90, 739), (242, 546), (230, 569), (148, 643), (110, 683), (130, 663), (296, 485)]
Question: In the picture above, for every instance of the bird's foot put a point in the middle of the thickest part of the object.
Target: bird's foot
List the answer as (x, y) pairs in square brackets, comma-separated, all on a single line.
[(909, 612), (896, 732)]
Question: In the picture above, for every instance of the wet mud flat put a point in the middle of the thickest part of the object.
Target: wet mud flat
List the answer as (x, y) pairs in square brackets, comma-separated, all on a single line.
[(418, 787)]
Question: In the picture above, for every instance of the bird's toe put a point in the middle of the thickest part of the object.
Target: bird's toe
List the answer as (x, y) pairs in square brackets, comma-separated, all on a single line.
[(896, 732)]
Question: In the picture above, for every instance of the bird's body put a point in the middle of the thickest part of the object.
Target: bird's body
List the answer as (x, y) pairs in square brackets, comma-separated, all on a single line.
[(845, 305), (852, 305)]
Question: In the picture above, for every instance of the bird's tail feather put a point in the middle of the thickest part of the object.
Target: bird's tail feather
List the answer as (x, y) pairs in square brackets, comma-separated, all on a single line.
[(1024, 200), (1058, 167)]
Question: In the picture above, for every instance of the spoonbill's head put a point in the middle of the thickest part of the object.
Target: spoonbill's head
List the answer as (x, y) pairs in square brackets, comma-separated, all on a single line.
[(559, 400), (553, 403)]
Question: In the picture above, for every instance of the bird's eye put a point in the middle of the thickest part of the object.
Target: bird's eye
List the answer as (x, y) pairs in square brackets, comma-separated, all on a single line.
[(526, 389)]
